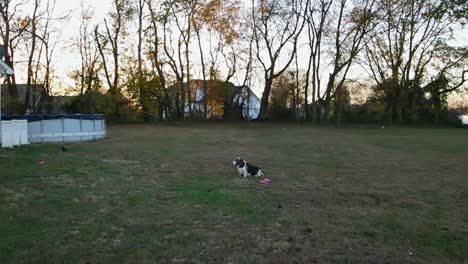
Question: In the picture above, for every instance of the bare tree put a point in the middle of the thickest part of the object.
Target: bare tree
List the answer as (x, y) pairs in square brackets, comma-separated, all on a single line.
[(174, 58), (219, 19), (451, 70), (187, 35), (32, 49), (158, 60), (197, 29), (52, 24), (37, 36), (412, 33), (316, 21), (346, 27), (140, 5), (114, 31), (178, 14), (143, 90), (12, 28), (277, 25), (88, 51)]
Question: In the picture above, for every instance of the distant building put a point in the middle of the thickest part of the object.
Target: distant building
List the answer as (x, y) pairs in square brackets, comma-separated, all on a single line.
[(221, 96), (464, 118), (4, 68), (14, 100)]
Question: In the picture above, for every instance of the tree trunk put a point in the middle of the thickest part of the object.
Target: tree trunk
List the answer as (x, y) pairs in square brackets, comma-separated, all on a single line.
[(31, 55), (205, 90), (187, 59), (390, 120), (338, 110), (143, 89), (318, 109), (265, 98), (437, 107), (339, 115)]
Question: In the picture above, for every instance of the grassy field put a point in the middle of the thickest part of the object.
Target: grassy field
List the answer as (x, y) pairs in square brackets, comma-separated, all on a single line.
[(169, 194)]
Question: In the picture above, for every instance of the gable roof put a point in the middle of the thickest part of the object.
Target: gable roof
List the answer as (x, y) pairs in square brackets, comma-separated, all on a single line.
[(5, 69), (197, 88)]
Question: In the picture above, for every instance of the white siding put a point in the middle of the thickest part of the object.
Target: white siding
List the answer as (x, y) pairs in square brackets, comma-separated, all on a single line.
[(14, 133), (464, 119)]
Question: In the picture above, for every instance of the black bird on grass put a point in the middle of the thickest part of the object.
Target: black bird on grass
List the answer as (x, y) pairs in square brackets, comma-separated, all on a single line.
[(62, 148)]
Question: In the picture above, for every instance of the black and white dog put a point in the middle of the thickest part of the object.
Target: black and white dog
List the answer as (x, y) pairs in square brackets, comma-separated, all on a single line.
[(245, 169)]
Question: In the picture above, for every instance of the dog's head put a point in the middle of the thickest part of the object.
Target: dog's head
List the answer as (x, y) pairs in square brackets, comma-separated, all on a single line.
[(238, 162)]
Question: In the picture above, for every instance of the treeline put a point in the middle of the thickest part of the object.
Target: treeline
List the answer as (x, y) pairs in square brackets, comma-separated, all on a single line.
[(30, 33), (312, 58)]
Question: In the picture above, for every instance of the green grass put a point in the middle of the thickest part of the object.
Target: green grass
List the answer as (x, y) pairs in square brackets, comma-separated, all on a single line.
[(169, 194), (205, 192)]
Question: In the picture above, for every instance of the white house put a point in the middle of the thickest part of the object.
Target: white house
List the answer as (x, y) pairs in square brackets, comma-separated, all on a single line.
[(464, 119), (241, 96), (250, 103)]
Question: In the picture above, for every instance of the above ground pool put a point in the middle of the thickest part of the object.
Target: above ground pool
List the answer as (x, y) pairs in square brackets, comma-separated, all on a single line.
[(63, 128)]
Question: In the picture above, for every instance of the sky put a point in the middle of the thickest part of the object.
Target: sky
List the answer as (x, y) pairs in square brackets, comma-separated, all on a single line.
[(68, 59)]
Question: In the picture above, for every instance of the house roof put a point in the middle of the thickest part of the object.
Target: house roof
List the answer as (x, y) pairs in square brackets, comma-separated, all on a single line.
[(199, 84), (5, 69)]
